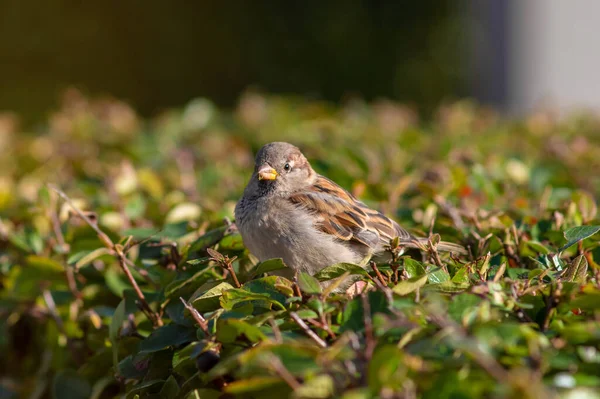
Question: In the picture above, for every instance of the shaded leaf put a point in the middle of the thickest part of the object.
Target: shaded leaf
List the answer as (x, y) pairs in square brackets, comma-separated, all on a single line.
[(116, 323), (269, 266), (167, 336), (68, 384)]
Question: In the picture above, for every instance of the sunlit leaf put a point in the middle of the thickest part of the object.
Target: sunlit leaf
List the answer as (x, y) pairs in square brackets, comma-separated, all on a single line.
[(576, 234)]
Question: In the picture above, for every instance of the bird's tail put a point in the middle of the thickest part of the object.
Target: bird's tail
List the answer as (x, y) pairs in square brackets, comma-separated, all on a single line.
[(444, 246)]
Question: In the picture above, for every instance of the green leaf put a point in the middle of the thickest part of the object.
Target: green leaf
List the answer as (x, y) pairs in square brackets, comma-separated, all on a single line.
[(143, 389), (68, 384), (210, 299), (320, 386), (269, 266), (385, 369), (235, 296), (335, 271), (257, 384), (461, 304), (538, 247), (576, 234), (232, 242), (170, 389), (92, 256), (116, 281), (208, 240), (461, 275), (43, 263), (413, 268), (308, 284), (353, 316), (114, 329), (411, 285), (437, 275), (167, 336), (448, 287), (277, 288), (181, 287), (230, 330), (577, 270)]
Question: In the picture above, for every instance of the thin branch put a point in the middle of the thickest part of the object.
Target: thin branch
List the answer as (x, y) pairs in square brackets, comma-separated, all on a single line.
[(322, 326), (276, 330), (307, 330), (154, 318), (103, 237), (225, 262), (118, 250), (378, 273), (142, 272), (369, 337), (69, 273), (431, 248), (201, 321), (56, 223), (277, 366)]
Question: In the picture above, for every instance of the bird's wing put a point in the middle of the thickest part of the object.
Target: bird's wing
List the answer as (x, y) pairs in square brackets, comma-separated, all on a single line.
[(339, 213)]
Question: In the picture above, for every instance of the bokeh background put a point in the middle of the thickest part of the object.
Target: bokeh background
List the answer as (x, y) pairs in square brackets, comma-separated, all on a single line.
[(155, 55)]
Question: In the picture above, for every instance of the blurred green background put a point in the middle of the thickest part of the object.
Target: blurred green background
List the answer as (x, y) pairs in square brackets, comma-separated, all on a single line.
[(156, 54)]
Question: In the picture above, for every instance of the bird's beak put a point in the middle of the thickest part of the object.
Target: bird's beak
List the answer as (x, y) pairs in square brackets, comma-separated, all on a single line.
[(267, 173)]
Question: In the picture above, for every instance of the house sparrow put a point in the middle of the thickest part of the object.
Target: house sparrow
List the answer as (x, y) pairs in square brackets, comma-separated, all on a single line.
[(289, 211)]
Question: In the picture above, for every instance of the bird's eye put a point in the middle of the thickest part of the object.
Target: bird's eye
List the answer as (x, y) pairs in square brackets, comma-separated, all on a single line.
[(287, 167)]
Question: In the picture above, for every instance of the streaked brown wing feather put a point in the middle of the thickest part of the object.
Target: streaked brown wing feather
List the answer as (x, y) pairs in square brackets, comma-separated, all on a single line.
[(343, 216)]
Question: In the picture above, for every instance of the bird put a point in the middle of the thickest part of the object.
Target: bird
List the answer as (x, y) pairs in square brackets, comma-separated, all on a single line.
[(291, 212)]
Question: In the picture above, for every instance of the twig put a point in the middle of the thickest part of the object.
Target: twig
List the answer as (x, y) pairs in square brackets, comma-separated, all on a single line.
[(510, 253), (197, 316), (118, 250), (276, 330), (322, 326), (103, 237), (56, 223), (277, 366), (307, 330), (69, 274), (225, 262), (378, 273), (434, 255), (153, 316), (552, 302), (142, 272), (369, 337)]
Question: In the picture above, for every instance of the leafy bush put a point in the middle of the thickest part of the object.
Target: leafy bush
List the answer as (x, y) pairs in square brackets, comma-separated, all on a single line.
[(135, 283)]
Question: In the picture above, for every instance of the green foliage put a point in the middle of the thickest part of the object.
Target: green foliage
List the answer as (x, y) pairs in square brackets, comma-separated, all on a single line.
[(137, 283)]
